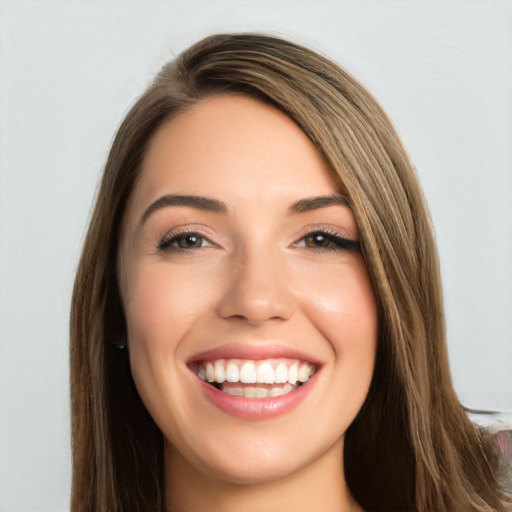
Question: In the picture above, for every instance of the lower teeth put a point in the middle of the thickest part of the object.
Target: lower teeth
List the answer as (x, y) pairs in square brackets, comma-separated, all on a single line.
[(257, 392)]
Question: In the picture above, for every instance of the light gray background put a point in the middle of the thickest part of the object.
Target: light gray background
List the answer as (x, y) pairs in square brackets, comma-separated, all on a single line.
[(68, 73)]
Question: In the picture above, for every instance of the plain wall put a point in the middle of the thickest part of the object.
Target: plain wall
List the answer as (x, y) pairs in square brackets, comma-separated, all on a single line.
[(70, 70)]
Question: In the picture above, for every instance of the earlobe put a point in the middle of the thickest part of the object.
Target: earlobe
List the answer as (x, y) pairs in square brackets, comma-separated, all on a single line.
[(118, 339), (120, 344), (115, 333)]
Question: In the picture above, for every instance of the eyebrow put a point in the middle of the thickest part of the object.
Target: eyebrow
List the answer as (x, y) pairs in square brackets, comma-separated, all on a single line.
[(216, 206), (314, 203), (199, 202)]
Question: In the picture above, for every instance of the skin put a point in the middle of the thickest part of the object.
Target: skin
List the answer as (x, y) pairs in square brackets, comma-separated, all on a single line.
[(254, 279)]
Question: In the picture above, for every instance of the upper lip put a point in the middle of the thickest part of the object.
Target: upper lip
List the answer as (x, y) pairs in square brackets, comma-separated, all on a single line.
[(252, 351)]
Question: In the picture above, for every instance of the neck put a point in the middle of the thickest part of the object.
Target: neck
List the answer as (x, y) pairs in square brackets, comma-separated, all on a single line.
[(319, 486)]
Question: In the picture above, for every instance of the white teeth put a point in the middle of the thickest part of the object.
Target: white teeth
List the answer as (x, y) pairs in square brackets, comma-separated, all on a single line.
[(209, 372), (258, 392), (232, 373), (281, 391), (250, 392), (270, 371), (261, 393), (276, 392), (305, 372), (218, 373), (248, 373), (292, 373), (265, 374), (281, 373), (234, 391)]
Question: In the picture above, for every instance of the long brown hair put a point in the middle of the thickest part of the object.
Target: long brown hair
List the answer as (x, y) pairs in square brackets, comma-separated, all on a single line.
[(411, 447)]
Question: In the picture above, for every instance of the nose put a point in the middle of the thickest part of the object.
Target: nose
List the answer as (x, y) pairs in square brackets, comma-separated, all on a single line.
[(257, 290)]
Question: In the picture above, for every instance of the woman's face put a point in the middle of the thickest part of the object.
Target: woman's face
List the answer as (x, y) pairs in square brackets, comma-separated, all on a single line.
[(239, 264)]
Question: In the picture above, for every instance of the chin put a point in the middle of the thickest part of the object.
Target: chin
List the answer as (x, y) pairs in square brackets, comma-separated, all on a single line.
[(256, 458), (255, 472)]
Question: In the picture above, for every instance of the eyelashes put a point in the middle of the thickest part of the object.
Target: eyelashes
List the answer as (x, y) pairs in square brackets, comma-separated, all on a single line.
[(185, 241), (319, 240), (325, 241)]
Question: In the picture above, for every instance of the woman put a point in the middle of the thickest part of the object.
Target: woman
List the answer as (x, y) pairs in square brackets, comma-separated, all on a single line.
[(257, 316)]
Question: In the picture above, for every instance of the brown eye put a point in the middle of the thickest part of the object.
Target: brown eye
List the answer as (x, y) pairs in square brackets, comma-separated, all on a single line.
[(317, 240), (189, 242), (322, 241), (185, 241)]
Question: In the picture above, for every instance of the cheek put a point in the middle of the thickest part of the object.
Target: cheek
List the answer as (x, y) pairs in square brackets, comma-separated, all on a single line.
[(341, 304), (161, 307), (162, 303), (342, 307)]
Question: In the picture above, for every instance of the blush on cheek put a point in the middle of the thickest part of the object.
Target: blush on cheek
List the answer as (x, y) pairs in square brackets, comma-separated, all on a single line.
[(344, 309), (162, 304), (347, 296)]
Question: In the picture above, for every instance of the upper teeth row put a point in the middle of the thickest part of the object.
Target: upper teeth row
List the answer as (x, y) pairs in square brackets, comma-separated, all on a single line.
[(272, 371)]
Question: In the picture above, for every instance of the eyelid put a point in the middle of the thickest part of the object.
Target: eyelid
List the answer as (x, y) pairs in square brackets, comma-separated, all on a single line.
[(183, 230), (338, 238), (328, 229)]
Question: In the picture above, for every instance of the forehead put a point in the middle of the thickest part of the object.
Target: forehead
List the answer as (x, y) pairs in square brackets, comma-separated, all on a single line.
[(234, 147)]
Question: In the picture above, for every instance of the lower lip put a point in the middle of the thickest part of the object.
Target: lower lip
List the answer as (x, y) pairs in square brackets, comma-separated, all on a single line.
[(257, 409)]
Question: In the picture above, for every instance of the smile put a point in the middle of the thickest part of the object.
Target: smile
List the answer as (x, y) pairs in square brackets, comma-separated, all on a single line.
[(267, 378)]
